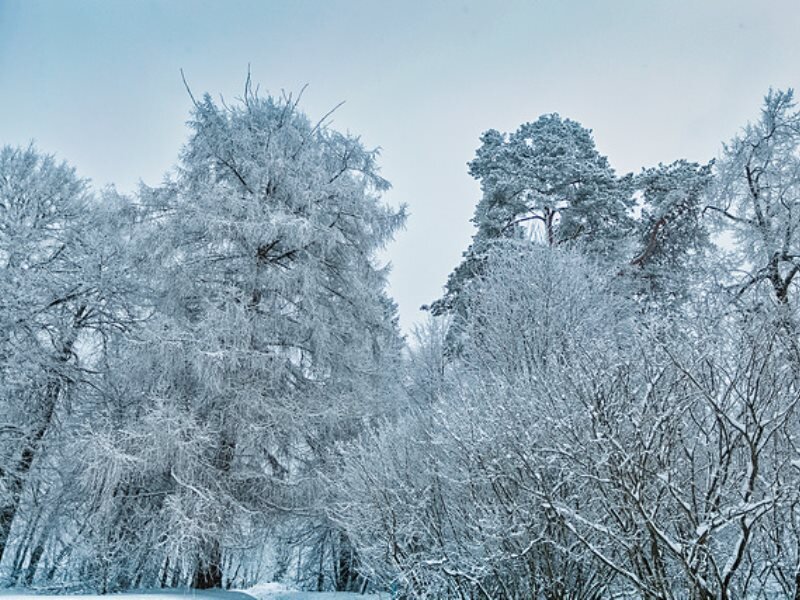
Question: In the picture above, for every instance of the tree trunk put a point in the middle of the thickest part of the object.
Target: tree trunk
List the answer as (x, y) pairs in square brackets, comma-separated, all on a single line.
[(208, 573), (347, 577), (29, 453), (52, 392), (33, 565), (6, 517)]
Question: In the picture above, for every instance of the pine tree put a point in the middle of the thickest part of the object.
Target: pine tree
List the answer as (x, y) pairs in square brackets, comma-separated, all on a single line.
[(545, 181)]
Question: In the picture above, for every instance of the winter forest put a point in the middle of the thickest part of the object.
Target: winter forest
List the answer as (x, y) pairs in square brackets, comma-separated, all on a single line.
[(203, 383)]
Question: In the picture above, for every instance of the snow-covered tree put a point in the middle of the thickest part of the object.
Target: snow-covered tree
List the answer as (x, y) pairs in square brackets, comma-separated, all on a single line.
[(273, 335), (547, 181), (45, 306), (448, 502), (671, 234), (65, 292), (758, 194)]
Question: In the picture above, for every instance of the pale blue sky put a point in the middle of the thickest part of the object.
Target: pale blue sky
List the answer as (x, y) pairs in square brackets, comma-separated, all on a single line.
[(98, 83)]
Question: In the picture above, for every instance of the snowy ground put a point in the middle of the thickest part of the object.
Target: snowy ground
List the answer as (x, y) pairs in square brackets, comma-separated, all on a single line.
[(274, 591), (268, 591), (288, 595), (143, 595)]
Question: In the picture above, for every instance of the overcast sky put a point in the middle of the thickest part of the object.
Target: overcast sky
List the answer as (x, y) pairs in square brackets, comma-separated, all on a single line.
[(98, 84)]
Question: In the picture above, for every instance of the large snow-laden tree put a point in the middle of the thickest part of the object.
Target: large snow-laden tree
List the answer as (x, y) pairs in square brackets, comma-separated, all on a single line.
[(44, 307), (549, 172), (39, 203), (546, 180), (274, 336), (64, 292), (61, 517), (758, 194)]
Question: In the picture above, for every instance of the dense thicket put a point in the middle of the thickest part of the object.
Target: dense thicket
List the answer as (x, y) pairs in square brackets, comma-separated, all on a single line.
[(610, 407), (204, 385)]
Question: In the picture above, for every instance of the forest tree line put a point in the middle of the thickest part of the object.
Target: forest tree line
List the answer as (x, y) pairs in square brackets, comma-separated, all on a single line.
[(203, 383)]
